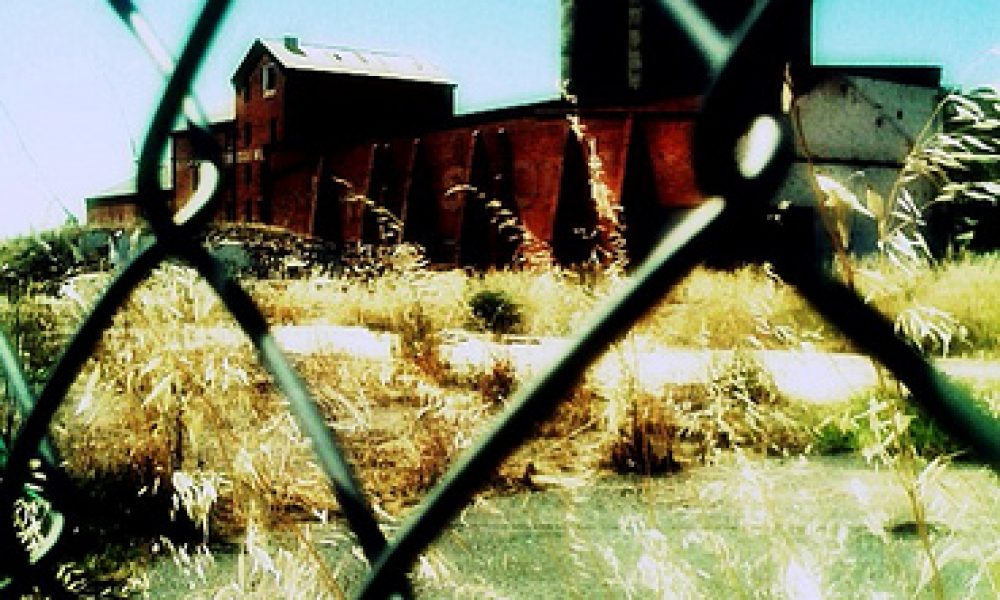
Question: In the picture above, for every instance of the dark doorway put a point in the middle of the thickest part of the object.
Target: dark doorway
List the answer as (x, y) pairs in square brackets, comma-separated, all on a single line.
[(642, 214), (376, 228)]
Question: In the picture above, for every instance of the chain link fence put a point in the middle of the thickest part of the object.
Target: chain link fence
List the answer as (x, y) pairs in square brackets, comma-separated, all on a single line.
[(742, 150)]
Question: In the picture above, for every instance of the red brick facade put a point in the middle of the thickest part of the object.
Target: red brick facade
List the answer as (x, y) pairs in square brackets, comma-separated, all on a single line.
[(298, 162), (325, 138)]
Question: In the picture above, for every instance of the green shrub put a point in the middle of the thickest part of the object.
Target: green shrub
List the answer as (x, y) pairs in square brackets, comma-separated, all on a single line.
[(42, 257), (495, 311), (927, 437), (832, 438), (867, 423)]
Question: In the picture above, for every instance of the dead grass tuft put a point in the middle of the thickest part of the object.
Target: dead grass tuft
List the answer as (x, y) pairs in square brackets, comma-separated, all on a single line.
[(738, 408)]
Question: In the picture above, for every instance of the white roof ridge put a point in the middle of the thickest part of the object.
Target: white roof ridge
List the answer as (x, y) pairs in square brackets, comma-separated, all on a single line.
[(346, 60)]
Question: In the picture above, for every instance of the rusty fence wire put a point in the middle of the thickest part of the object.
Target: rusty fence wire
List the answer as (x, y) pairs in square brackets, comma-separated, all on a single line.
[(741, 109)]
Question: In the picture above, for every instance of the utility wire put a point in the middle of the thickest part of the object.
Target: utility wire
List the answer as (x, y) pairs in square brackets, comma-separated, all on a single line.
[(37, 170)]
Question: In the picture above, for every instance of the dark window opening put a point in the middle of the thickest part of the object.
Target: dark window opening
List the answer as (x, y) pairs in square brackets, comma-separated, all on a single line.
[(246, 91), (195, 169), (269, 80), (265, 210)]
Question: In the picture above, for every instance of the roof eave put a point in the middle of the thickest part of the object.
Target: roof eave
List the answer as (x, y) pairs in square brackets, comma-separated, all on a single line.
[(368, 75)]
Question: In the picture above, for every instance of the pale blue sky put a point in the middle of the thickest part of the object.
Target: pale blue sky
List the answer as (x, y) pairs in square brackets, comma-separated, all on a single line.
[(76, 91)]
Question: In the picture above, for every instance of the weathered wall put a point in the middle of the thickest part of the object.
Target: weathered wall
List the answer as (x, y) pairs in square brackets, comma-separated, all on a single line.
[(112, 213), (299, 160), (259, 124), (861, 119), (858, 131), (324, 109), (184, 168), (441, 185)]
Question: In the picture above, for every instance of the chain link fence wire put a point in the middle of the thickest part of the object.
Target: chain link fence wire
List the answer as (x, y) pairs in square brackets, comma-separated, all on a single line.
[(740, 108)]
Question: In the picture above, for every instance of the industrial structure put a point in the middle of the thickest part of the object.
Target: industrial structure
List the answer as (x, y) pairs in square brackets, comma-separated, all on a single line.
[(363, 147)]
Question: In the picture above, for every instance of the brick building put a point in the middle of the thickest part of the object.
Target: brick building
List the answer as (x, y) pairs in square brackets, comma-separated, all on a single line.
[(117, 207), (317, 128)]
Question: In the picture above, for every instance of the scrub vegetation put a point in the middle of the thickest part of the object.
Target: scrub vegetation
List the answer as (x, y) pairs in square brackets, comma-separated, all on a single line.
[(179, 441), (173, 422)]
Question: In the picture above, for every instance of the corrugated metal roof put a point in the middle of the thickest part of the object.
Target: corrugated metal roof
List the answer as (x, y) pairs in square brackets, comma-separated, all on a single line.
[(292, 54)]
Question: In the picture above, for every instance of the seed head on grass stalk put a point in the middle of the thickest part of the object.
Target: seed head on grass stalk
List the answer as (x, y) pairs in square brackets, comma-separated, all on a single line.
[(390, 253), (530, 252), (611, 253)]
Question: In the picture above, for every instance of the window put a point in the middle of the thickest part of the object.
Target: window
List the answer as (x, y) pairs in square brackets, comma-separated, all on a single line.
[(247, 134), (269, 80), (246, 91)]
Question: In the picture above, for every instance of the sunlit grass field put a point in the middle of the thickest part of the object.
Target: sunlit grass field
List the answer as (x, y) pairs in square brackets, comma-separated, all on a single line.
[(165, 425)]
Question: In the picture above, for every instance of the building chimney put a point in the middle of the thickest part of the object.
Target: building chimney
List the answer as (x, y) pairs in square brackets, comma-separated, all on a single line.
[(292, 44)]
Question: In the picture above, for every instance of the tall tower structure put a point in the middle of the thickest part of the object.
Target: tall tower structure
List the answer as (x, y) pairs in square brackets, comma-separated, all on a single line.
[(626, 52)]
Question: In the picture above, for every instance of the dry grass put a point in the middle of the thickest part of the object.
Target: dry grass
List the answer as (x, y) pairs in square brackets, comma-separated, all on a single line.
[(738, 408), (746, 307), (552, 303), (160, 398), (168, 410), (962, 292)]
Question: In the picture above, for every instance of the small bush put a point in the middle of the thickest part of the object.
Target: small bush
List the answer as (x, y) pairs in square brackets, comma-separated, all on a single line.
[(866, 421), (43, 257), (832, 438), (495, 312)]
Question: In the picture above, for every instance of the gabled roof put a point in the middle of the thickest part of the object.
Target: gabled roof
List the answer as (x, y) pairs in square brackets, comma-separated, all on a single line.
[(290, 54)]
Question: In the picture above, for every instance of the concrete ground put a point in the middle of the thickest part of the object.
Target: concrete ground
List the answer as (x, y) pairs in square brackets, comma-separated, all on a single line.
[(752, 528)]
